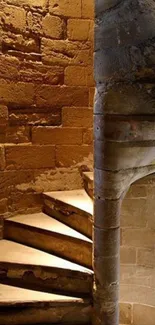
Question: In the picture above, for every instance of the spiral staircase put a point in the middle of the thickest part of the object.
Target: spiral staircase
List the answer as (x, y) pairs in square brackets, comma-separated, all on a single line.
[(46, 272), (46, 263)]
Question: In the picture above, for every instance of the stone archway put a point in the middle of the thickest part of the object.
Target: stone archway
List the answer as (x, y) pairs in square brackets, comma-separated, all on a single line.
[(137, 262)]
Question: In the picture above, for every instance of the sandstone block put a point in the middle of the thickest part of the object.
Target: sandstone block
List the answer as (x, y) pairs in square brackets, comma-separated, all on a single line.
[(150, 209), (127, 255), (40, 4), (15, 17), (137, 191), (67, 8), (52, 26), (2, 158), (29, 156), (90, 76), (17, 134), (75, 75), (91, 96), (141, 294), (125, 313), (23, 180), (1, 232), (56, 135), (9, 67), (64, 52), (79, 76), (20, 202), (36, 117), (80, 29), (11, 181), (135, 275), (24, 56), (34, 22), (3, 117), (143, 314), (75, 117), (55, 96), (133, 213), (18, 93), (78, 155), (146, 257), (138, 237), (39, 73), (88, 136), (19, 45), (3, 206), (87, 9)]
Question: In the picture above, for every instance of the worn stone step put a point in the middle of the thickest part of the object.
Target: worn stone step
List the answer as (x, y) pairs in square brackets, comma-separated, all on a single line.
[(40, 231), (74, 208), (88, 179), (30, 268), (24, 307)]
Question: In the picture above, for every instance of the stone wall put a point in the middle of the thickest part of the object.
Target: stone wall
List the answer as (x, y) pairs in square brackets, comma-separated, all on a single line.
[(136, 314), (46, 98), (138, 252)]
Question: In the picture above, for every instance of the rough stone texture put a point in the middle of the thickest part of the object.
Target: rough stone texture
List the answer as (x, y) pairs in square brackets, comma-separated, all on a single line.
[(84, 31), (52, 26), (143, 314), (40, 4), (47, 96), (41, 52), (29, 156), (75, 157), (66, 8), (64, 52), (51, 135), (2, 158), (125, 313), (87, 9), (82, 117), (79, 76), (124, 132), (15, 18)]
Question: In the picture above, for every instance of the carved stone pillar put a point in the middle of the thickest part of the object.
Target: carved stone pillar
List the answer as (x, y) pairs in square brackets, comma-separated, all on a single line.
[(124, 131)]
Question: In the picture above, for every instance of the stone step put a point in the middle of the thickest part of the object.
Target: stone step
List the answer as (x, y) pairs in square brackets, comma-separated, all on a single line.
[(24, 307), (88, 179), (73, 208), (40, 231), (30, 268)]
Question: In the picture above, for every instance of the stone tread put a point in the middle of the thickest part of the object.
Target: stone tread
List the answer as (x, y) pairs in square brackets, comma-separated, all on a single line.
[(89, 175), (42, 221), (78, 199), (11, 252), (13, 295)]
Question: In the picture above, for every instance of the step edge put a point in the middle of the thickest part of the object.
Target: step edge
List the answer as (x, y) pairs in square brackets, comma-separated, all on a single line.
[(41, 230), (75, 209)]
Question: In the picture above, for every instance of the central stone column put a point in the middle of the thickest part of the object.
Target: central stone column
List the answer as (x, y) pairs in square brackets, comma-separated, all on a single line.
[(124, 131)]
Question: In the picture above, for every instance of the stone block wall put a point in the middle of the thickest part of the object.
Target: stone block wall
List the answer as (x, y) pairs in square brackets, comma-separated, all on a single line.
[(46, 98), (138, 253)]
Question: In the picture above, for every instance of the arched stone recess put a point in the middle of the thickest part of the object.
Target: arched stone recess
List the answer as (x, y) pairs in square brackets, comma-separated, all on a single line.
[(137, 254)]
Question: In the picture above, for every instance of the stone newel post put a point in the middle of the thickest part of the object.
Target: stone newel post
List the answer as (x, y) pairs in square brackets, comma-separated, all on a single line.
[(124, 131)]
